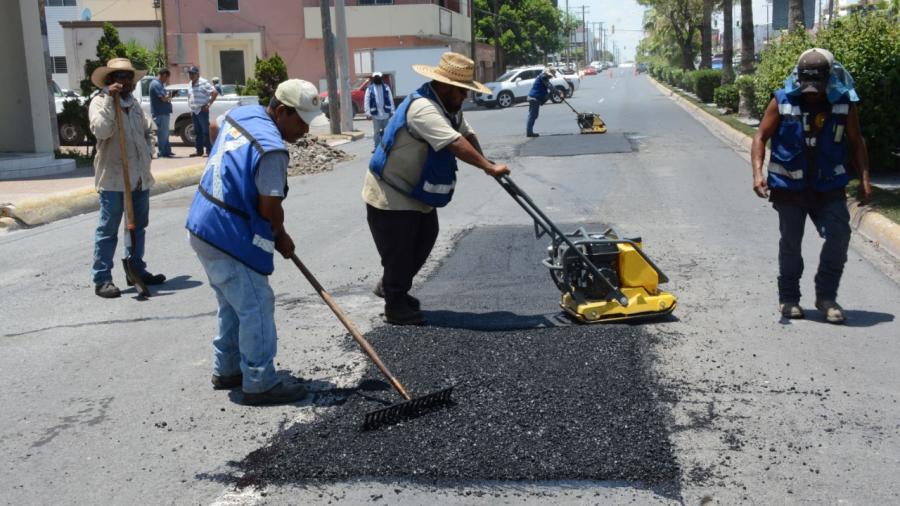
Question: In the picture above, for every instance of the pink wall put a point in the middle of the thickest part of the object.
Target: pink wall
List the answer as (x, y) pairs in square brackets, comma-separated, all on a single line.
[(281, 24)]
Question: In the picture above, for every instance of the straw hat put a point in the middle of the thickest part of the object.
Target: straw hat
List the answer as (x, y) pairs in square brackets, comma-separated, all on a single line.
[(115, 65), (454, 69)]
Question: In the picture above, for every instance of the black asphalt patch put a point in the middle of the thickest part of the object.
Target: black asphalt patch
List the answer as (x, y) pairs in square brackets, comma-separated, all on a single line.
[(576, 144), (569, 402)]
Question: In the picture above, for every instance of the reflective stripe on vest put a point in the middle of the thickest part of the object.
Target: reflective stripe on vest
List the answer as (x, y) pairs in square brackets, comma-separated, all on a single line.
[(840, 109), (789, 110), (777, 168), (263, 243), (443, 189)]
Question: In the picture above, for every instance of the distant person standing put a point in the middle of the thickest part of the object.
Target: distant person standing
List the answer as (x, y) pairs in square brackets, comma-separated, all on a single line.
[(201, 96), (540, 91), (379, 103), (217, 85), (161, 111)]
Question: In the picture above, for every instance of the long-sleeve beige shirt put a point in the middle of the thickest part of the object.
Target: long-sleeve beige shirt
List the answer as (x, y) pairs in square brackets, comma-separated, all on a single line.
[(138, 143)]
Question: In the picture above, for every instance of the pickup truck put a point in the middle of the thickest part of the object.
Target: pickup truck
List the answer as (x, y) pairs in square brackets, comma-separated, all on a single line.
[(514, 86), (180, 122)]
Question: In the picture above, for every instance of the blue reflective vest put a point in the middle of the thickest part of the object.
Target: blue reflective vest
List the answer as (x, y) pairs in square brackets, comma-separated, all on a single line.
[(373, 104), (438, 179), (224, 211), (788, 165), (541, 88)]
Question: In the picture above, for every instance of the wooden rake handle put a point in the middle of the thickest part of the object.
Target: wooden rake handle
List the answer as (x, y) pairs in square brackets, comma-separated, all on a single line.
[(123, 153), (351, 328)]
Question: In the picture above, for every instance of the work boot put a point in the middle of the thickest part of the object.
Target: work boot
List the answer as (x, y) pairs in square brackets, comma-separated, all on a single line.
[(227, 382), (532, 135), (412, 301), (791, 310), (401, 312), (279, 394), (834, 313), (107, 290), (149, 279)]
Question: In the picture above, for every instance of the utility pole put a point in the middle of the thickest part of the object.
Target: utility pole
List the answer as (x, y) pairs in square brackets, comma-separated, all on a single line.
[(344, 64), (471, 5), (334, 101), (497, 38), (568, 34), (584, 35)]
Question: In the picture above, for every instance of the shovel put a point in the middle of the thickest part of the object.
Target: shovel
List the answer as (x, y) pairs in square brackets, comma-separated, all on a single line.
[(410, 407), (128, 261)]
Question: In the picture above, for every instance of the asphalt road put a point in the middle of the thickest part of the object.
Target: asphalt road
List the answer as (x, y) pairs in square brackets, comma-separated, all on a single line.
[(109, 401)]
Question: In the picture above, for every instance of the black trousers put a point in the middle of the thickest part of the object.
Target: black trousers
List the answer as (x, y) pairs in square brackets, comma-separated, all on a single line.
[(404, 240)]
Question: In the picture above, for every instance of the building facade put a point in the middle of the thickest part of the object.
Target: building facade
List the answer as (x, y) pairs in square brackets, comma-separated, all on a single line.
[(224, 37)]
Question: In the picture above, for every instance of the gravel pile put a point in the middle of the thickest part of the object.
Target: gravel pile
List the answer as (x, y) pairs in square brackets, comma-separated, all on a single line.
[(311, 155)]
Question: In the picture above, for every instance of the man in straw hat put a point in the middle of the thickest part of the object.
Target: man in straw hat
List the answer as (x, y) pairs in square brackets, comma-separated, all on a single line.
[(116, 82), (237, 223), (413, 171), (813, 124)]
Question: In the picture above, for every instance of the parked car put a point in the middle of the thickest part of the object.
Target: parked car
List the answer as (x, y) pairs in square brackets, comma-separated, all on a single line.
[(590, 71), (514, 86), (69, 134)]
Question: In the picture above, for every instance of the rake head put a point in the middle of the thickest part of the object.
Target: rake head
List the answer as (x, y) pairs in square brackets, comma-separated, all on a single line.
[(408, 409)]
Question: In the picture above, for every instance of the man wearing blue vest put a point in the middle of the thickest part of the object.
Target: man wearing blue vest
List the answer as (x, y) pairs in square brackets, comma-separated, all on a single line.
[(379, 104), (237, 223), (541, 90), (413, 171), (814, 127)]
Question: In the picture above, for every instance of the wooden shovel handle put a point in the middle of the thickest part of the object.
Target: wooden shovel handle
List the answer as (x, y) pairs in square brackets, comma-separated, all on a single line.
[(123, 153), (352, 328)]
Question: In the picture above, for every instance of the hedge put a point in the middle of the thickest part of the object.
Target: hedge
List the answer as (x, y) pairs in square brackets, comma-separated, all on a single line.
[(705, 83), (727, 97), (868, 45)]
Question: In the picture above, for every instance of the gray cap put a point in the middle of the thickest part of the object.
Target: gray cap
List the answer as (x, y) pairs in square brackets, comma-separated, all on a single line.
[(814, 69), (194, 70)]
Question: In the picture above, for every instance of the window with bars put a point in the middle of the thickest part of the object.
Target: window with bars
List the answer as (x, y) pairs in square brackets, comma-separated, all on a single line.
[(58, 65), (60, 3), (376, 2), (228, 5)]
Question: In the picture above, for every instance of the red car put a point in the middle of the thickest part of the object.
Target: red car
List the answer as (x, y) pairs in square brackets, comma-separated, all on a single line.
[(357, 94), (590, 71)]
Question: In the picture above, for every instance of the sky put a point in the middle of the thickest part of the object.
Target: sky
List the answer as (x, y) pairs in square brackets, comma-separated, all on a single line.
[(627, 16)]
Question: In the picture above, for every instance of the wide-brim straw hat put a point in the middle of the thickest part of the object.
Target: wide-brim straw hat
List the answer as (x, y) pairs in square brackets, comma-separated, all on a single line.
[(454, 69), (98, 77)]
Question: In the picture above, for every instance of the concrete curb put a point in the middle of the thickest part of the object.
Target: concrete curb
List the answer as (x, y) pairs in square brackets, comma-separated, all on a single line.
[(872, 225), (57, 206)]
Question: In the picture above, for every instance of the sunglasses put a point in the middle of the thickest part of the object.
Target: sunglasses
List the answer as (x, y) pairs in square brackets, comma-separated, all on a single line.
[(813, 74), (122, 74)]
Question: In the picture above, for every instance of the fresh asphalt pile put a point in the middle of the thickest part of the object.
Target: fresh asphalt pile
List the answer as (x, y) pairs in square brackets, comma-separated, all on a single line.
[(540, 401), (311, 155)]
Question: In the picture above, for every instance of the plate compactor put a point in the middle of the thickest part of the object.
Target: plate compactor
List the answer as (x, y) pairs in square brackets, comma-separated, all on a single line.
[(603, 277), (588, 122)]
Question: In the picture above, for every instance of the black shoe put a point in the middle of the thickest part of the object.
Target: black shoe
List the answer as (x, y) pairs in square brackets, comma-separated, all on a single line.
[(279, 394), (227, 382), (402, 313), (412, 301), (107, 290), (149, 279), (532, 135), (194, 155)]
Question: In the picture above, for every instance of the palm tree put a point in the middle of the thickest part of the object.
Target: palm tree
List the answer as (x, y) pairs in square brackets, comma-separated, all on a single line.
[(706, 35), (795, 13), (728, 43), (747, 49)]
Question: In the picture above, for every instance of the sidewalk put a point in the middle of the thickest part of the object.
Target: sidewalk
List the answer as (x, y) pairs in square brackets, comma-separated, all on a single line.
[(36, 201)]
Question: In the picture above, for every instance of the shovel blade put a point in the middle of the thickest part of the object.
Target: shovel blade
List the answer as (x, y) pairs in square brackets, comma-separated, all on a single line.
[(412, 408), (132, 274)]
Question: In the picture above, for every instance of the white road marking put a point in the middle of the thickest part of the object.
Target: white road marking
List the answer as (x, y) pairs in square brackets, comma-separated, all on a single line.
[(601, 100)]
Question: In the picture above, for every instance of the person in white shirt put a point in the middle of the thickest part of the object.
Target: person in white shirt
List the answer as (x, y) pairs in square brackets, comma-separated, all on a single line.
[(379, 104)]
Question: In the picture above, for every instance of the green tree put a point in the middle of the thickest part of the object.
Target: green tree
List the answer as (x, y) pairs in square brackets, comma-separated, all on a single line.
[(529, 29), (267, 75), (672, 28), (111, 46)]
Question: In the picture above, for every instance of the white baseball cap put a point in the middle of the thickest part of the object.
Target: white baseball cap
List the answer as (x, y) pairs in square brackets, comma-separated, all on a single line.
[(376, 74), (302, 96)]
